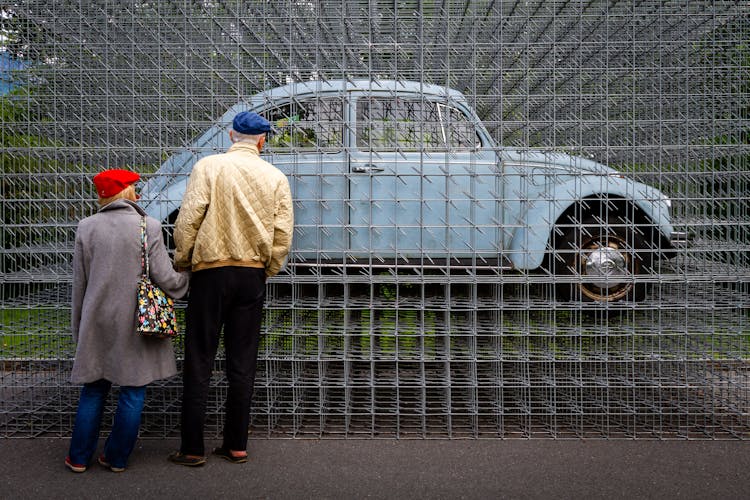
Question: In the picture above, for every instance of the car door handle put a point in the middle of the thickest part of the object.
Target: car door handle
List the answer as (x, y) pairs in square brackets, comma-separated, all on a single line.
[(368, 168)]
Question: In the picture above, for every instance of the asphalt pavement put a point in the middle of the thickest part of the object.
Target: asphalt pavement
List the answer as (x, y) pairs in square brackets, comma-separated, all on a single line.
[(395, 469)]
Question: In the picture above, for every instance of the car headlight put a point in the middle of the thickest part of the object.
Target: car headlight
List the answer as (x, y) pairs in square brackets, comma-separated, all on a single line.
[(667, 201)]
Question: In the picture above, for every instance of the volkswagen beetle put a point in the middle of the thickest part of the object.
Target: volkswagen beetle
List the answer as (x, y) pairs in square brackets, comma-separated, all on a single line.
[(386, 172)]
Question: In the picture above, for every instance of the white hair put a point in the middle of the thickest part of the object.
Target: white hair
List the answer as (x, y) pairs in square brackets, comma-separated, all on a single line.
[(126, 194), (240, 137)]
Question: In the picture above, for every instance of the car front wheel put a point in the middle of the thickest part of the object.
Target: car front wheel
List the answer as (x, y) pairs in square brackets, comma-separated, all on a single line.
[(601, 258)]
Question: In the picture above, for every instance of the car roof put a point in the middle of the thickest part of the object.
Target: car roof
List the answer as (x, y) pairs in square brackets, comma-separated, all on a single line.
[(388, 87)]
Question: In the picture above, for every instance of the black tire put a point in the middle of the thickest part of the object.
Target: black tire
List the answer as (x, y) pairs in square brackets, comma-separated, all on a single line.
[(602, 258), (167, 228)]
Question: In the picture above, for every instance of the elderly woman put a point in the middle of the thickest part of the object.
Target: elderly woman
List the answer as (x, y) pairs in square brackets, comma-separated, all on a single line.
[(106, 269)]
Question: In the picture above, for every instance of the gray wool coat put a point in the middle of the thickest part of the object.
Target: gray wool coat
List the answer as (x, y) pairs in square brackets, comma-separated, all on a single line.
[(106, 269)]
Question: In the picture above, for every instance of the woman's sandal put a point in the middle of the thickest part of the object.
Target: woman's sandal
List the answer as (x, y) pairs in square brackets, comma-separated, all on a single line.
[(181, 459), (227, 455)]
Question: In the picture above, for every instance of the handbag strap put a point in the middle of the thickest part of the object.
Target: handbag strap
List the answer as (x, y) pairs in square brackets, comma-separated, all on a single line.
[(144, 249)]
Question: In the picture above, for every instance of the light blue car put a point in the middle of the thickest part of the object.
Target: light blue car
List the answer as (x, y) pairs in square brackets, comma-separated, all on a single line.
[(388, 173)]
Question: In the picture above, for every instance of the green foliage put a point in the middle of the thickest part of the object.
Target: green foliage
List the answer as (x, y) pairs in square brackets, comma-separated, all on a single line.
[(23, 153), (22, 37), (41, 195), (293, 138)]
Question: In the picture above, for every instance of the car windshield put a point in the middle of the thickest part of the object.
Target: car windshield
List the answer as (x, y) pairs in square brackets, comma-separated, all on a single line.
[(398, 124)]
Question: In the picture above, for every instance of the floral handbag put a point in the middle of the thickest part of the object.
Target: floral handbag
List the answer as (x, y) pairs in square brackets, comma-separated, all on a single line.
[(155, 309)]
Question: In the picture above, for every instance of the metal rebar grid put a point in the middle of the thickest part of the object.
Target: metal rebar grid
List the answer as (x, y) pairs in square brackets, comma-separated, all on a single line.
[(446, 341)]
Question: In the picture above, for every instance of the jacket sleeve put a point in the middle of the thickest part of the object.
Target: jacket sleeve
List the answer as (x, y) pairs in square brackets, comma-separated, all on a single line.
[(283, 228), (192, 212), (80, 280), (175, 284)]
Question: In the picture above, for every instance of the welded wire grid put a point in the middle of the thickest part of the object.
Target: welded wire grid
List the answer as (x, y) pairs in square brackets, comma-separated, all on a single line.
[(421, 347)]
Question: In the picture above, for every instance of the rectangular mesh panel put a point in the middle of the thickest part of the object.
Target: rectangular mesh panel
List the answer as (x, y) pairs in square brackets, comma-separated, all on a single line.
[(558, 249)]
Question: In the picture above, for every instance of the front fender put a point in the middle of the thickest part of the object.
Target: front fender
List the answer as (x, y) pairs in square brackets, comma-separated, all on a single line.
[(538, 216)]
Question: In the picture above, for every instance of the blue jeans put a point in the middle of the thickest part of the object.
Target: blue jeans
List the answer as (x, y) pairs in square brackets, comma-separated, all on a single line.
[(124, 433)]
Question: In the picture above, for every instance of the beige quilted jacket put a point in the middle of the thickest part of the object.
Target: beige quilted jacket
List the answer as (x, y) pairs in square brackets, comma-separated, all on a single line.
[(237, 211)]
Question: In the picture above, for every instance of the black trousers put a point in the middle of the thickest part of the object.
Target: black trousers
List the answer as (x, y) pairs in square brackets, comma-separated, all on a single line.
[(232, 298)]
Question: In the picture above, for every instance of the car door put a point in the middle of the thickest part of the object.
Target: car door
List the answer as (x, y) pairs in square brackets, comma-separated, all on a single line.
[(307, 144), (421, 185)]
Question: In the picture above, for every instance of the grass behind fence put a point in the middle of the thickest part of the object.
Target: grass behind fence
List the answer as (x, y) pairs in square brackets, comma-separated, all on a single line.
[(408, 334)]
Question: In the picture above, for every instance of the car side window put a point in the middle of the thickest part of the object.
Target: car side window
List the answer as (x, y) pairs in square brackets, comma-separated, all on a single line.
[(412, 125), (309, 125), (460, 133), (398, 124)]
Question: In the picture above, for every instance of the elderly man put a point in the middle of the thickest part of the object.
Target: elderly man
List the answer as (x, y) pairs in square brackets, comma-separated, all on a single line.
[(234, 230)]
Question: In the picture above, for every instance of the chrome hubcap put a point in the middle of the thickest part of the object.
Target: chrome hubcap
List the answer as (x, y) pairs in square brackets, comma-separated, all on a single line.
[(607, 266)]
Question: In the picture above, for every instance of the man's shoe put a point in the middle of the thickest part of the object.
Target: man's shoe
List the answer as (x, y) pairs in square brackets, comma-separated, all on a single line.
[(74, 467), (103, 462), (227, 455), (181, 459)]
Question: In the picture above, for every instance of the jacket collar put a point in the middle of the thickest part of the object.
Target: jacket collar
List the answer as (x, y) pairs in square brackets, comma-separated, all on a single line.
[(244, 147), (125, 205)]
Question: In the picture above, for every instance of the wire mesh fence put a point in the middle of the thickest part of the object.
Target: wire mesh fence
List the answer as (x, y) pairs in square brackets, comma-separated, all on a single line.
[(513, 219)]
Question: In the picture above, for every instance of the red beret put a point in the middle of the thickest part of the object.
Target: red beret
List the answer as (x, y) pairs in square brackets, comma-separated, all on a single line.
[(111, 182)]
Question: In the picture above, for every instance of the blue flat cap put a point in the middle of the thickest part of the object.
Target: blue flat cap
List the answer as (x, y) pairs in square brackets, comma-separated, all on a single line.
[(250, 123)]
